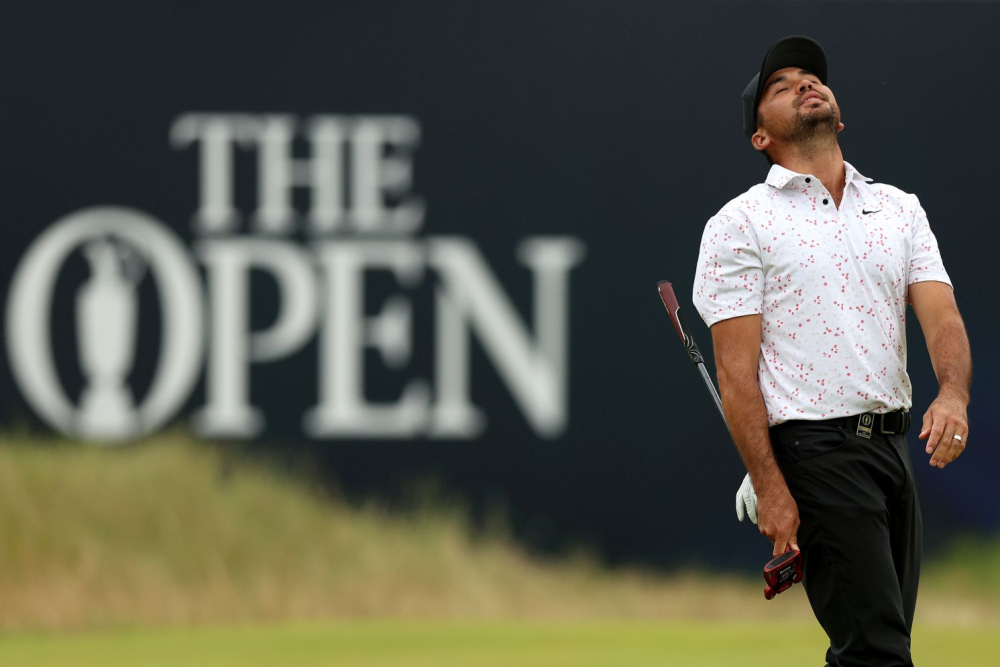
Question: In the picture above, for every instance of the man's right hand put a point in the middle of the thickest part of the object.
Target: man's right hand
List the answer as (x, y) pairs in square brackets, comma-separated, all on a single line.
[(737, 342), (779, 517)]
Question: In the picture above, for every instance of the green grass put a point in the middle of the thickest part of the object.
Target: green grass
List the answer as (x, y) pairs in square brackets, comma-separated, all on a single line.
[(175, 553), (173, 531), (464, 644)]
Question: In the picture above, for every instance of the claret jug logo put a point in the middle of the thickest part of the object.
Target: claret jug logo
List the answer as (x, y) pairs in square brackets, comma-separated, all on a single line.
[(362, 218), (119, 245)]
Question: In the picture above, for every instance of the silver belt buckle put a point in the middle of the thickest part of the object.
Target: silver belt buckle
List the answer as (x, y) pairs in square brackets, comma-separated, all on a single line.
[(865, 423)]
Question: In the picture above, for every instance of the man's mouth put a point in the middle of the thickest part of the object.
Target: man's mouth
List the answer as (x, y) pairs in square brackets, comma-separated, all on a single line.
[(809, 97)]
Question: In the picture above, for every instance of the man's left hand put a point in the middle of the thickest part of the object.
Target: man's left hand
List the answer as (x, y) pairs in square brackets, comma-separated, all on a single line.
[(746, 501), (945, 418)]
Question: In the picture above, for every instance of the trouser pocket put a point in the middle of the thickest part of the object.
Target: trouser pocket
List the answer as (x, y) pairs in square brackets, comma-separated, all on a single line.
[(800, 443)]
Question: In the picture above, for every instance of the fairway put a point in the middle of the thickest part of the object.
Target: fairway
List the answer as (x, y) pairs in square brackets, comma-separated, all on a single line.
[(480, 644)]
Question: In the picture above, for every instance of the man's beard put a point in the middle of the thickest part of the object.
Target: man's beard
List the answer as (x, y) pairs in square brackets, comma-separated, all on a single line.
[(815, 126)]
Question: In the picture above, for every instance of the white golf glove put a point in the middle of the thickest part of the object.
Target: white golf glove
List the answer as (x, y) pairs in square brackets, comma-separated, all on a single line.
[(746, 501)]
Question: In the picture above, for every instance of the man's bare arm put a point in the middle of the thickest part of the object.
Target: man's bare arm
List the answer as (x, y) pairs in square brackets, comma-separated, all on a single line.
[(948, 346), (737, 350)]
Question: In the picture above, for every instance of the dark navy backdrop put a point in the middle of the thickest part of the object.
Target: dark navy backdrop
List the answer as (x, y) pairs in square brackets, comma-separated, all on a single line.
[(616, 122)]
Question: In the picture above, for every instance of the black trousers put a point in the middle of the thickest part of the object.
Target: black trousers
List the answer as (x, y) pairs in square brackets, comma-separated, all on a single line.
[(860, 536)]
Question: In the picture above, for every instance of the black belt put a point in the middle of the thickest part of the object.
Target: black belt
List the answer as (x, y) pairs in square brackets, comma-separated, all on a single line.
[(885, 423)]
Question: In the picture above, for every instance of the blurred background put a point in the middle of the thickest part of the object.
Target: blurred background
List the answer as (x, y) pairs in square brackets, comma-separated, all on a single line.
[(345, 311)]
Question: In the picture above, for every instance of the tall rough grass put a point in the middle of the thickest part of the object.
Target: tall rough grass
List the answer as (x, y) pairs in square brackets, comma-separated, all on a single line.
[(171, 531)]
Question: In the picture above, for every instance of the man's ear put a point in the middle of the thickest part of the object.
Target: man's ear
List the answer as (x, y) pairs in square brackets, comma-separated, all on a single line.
[(760, 140), (840, 126)]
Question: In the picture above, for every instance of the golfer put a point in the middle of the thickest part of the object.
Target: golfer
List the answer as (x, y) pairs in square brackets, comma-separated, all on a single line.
[(804, 281)]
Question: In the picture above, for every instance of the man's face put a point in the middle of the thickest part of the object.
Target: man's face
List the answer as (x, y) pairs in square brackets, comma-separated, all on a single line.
[(794, 105)]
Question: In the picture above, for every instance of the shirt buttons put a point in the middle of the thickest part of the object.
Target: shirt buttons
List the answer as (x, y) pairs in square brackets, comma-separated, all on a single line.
[(826, 201)]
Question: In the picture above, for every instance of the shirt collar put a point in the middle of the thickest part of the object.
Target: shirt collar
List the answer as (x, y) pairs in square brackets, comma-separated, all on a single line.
[(779, 177), (854, 174)]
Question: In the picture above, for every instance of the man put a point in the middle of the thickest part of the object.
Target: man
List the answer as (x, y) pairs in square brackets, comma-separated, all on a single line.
[(804, 281)]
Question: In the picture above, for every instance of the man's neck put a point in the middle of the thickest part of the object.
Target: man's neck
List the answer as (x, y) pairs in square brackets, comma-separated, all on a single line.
[(821, 159)]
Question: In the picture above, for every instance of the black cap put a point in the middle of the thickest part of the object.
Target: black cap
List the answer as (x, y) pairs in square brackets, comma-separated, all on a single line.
[(796, 51)]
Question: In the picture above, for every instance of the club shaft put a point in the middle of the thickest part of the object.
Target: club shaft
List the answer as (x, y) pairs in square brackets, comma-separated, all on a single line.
[(670, 302), (714, 392)]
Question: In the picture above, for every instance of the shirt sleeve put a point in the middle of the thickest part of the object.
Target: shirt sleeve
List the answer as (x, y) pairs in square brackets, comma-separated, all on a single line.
[(925, 258), (729, 281)]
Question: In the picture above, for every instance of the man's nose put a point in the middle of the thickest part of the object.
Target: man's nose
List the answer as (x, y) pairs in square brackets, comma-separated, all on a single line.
[(804, 85)]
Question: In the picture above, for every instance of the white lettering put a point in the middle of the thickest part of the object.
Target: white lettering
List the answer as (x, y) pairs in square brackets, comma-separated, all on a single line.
[(375, 175), (233, 347), (216, 132), (359, 176), (535, 372), (342, 408)]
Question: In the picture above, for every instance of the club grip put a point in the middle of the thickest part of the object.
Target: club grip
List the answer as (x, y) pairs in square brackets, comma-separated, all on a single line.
[(670, 302), (673, 307)]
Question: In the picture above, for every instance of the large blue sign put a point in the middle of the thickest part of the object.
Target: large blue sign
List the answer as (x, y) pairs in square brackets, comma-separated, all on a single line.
[(422, 240)]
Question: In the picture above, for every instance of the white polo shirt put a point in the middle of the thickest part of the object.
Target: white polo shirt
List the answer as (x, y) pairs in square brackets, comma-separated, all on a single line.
[(830, 286)]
